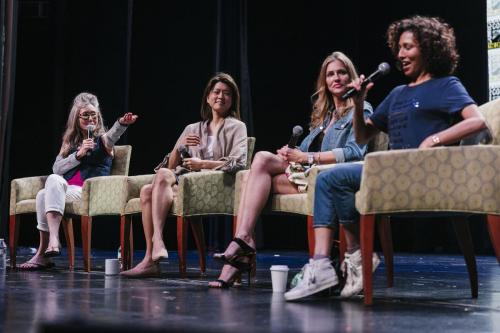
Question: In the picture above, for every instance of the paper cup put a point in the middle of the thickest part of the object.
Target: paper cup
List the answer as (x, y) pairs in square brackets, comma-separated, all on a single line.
[(279, 276), (112, 267)]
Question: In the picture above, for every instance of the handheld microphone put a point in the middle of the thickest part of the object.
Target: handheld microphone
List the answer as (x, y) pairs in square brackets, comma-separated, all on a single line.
[(296, 133), (90, 134), (184, 151), (382, 70)]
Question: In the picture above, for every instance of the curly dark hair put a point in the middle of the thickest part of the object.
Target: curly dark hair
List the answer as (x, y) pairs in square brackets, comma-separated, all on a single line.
[(436, 39)]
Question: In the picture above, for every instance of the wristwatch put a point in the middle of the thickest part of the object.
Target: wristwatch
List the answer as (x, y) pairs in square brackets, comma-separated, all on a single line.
[(310, 158)]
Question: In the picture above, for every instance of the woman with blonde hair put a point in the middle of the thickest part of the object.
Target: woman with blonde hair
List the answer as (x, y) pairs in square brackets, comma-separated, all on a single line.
[(330, 140), (86, 152)]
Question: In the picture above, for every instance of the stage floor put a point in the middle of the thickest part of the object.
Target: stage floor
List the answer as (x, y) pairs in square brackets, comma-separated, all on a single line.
[(430, 294)]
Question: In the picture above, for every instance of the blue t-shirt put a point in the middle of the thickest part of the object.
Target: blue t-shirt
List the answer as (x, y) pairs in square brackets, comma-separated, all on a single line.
[(411, 114)]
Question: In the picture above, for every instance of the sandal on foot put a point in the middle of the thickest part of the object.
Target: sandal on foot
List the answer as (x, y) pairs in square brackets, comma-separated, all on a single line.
[(35, 266), (244, 251), (52, 252)]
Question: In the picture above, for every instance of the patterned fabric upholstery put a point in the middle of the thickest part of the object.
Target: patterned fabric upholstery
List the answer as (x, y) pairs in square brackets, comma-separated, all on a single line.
[(453, 179), (199, 193), (100, 195)]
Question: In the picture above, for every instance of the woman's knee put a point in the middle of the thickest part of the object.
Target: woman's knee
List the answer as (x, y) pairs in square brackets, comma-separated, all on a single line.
[(261, 160), (164, 177), (55, 181), (146, 192)]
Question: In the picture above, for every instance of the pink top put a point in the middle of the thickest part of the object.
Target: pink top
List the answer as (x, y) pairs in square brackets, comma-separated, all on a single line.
[(76, 179)]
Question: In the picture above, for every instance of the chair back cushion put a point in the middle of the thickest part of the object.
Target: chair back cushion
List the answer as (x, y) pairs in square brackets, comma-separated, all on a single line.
[(491, 113), (121, 161), (379, 142)]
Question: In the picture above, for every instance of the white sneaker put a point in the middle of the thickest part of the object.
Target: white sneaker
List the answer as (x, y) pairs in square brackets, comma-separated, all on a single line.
[(318, 275), (353, 269)]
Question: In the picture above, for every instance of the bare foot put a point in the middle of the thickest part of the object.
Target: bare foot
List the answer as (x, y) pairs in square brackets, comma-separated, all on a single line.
[(159, 251), (142, 270)]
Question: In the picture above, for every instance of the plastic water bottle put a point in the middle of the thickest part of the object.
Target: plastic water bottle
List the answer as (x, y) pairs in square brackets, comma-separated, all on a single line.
[(119, 256)]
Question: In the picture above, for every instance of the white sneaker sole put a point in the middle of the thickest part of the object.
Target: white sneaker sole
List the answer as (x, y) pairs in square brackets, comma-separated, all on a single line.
[(291, 296)]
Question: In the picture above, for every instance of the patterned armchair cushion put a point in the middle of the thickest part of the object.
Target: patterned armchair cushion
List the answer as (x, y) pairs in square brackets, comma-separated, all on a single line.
[(203, 193), (101, 196), (491, 112), (135, 183), (454, 179), (23, 194), (121, 160)]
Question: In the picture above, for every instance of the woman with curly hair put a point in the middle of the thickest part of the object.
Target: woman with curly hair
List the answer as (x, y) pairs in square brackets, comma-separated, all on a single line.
[(433, 109), (330, 140)]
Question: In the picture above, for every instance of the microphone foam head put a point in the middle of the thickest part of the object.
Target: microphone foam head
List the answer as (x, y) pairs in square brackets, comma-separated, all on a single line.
[(297, 130), (384, 68)]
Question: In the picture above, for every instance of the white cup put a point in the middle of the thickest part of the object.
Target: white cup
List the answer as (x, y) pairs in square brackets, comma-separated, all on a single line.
[(112, 267), (279, 277)]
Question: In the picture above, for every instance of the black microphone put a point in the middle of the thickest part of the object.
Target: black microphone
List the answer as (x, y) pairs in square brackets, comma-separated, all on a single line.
[(382, 70), (90, 135), (184, 151), (296, 133)]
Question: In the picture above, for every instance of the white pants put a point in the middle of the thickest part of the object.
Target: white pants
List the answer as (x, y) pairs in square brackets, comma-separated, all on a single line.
[(53, 199)]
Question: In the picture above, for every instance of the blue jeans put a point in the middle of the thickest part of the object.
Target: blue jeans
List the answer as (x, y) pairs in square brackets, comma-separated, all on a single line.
[(334, 196)]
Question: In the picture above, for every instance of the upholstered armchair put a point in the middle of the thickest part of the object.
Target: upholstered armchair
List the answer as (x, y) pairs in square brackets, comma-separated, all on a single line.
[(303, 204), (199, 194), (445, 181), (100, 196)]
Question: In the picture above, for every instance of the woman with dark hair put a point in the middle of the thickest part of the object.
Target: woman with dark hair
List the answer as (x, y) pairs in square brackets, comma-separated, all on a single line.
[(433, 109), (330, 140), (217, 142), (81, 157)]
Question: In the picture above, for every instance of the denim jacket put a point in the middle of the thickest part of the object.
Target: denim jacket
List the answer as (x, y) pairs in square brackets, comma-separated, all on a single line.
[(339, 138)]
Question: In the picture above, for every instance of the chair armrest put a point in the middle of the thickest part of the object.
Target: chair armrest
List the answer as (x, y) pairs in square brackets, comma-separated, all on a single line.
[(205, 193), (24, 189), (453, 179), (105, 195), (238, 186), (311, 181), (135, 183)]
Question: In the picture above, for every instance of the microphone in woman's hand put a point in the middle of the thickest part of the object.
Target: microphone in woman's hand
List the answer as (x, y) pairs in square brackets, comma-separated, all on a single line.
[(90, 134), (296, 133), (184, 151)]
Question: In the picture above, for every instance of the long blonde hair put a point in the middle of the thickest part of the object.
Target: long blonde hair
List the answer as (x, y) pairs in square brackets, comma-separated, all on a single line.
[(73, 135), (323, 99)]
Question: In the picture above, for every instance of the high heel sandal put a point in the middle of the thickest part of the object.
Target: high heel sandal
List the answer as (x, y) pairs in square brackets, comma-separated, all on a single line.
[(241, 267), (244, 251)]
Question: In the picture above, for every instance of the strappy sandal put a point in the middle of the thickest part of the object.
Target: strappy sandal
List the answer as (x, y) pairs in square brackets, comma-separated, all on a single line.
[(245, 251), (241, 267)]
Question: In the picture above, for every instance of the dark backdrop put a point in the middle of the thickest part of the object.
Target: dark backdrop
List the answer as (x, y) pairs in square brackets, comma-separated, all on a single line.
[(153, 58)]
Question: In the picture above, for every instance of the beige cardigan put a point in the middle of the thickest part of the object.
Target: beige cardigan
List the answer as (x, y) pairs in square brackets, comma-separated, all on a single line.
[(230, 143)]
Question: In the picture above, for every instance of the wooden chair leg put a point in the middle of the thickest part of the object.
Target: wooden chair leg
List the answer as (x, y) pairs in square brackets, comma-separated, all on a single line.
[(461, 226), (130, 258), (13, 238), (69, 235), (86, 240), (342, 243), (310, 235), (125, 234), (385, 235), (181, 244), (494, 231), (199, 238), (366, 236)]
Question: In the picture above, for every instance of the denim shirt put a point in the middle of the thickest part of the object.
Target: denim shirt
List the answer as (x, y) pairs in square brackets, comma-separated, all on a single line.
[(339, 138)]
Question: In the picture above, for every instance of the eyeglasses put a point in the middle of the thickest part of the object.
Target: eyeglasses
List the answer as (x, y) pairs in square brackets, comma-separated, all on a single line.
[(88, 115)]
